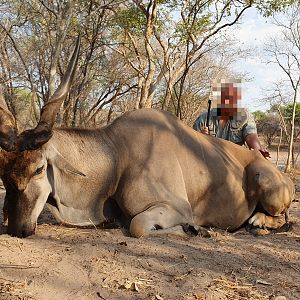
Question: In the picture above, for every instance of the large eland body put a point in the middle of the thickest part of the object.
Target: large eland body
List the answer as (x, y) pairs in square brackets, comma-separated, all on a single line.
[(160, 172)]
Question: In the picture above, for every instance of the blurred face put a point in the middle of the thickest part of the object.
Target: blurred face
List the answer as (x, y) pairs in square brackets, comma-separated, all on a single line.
[(230, 95)]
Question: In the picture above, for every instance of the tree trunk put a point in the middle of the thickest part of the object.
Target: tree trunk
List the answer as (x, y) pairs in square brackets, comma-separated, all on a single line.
[(278, 147), (291, 143), (147, 91)]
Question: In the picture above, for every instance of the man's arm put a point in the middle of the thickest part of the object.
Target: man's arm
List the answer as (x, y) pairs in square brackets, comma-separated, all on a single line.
[(251, 137), (252, 142)]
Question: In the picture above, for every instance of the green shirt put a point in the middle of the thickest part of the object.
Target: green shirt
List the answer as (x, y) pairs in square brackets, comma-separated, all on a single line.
[(235, 130)]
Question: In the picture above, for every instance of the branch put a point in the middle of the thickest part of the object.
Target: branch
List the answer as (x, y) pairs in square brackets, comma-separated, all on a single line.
[(18, 52), (48, 8), (225, 25)]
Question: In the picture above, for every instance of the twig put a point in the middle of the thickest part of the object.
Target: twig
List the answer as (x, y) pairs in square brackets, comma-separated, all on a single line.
[(184, 275), (296, 269), (93, 224), (259, 281), (19, 244), (18, 267)]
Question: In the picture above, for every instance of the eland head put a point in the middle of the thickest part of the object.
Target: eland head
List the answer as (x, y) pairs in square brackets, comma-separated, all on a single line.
[(23, 163)]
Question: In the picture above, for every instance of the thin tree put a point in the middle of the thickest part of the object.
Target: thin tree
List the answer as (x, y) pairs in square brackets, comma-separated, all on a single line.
[(285, 53)]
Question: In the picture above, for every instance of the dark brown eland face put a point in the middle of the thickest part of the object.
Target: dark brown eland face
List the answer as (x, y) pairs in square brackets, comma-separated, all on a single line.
[(27, 190), (23, 165)]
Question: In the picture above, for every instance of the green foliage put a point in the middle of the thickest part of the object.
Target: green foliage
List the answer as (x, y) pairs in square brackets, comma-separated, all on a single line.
[(196, 27), (288, 111), (134, 20), (131, 19), (259, 115), (23, 95), (269, 7), (197, 21)]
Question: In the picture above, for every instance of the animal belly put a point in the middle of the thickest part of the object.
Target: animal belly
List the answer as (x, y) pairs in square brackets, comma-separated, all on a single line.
[(224, 221), (224, 213), (77, 217)]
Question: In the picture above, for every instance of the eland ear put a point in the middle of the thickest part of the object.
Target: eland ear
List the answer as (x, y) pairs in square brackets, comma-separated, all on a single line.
[(58, 160), (8, 129)]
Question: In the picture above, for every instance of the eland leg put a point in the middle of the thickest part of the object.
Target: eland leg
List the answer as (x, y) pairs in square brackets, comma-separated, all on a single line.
[(162, 219), (261, 220), (262, 224)]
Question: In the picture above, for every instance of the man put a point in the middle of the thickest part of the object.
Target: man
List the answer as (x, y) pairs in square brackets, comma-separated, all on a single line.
[(228, 121)]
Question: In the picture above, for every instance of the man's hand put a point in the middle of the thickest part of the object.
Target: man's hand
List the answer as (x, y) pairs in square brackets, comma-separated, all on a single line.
[(253, 143), (265, 153), (204, 130)]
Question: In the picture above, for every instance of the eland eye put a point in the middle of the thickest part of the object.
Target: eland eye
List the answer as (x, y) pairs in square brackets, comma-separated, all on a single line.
[(39, 170)]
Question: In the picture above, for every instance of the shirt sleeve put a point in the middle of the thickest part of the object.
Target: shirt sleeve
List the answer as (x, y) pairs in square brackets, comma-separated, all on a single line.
[(200, 121), (250, 126)]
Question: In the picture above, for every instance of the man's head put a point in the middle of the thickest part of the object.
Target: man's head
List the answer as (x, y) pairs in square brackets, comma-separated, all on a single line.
[(227, 93)]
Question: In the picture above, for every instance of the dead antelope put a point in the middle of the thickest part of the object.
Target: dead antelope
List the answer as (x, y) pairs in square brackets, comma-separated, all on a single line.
[(161, 174)]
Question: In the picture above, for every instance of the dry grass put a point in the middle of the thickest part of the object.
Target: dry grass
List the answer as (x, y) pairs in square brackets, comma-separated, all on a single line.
[(10, 289), (236, 289)]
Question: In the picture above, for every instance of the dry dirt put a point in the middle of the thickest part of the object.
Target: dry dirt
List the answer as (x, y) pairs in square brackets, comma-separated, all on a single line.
[(73, 263)]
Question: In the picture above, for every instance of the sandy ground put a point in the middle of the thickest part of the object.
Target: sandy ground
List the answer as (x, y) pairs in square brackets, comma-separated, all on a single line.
[(73, 263)]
